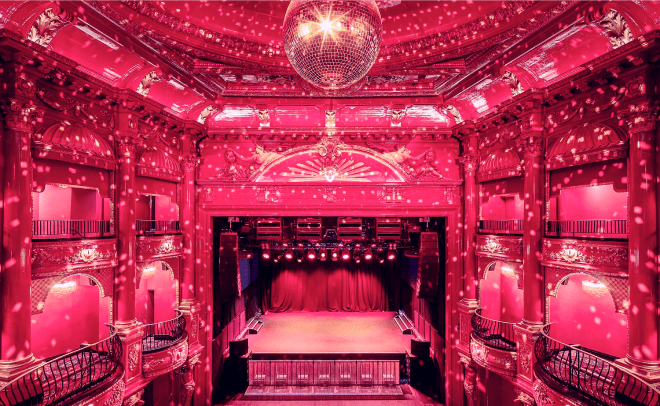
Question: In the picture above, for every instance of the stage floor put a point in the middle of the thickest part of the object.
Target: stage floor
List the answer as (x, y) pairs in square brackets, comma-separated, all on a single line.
[(329, 332)]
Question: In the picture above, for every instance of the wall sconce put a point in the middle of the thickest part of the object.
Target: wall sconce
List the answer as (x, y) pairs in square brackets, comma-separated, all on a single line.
[(594, 289), (63, 289)]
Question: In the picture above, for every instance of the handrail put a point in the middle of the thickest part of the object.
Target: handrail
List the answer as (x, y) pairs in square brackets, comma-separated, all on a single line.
[(589, 376), (164, 334), (70, 227), (494, 333), (156, 226), (563, 227), (502, 225), (65, 376)]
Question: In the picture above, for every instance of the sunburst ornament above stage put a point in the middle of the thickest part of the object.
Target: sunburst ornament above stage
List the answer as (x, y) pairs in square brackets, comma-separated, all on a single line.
[(332, 44), (343, 169)]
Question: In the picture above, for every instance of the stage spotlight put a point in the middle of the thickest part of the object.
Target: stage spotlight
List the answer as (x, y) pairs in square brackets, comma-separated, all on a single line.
[(266, 254), (346, 254), (380, 255), (277, 256), (391, 255), (335, 254), (323, 254), (368, 254), (311, 253), (300, 255), (289, 253), (357, 256)]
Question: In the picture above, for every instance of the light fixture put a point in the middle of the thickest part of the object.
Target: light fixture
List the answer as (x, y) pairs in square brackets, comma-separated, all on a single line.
[(266, 254), (63, 289), (508, 272), (332, 44), (391, 255), (311, 253), (288, 254), (300, 255), (357, 256), (323, 254), (277, 256), (148, 271), (346, 254), (594, 289), (368, 254), (334, 255), (380, 255)]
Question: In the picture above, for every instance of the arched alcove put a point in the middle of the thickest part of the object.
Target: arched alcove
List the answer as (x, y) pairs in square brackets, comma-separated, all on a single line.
[(500, 291), (157, 292)]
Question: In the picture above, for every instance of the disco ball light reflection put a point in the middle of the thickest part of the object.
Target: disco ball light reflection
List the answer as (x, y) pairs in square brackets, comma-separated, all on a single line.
[(332, 44)]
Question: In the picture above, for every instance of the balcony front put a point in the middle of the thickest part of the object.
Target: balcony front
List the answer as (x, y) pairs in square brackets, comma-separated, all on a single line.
[(493, 345), (90, 375), (571, 374), (164, 346)]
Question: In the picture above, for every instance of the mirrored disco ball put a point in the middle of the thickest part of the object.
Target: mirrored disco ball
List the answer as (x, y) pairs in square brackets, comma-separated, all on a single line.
[(332, 44)]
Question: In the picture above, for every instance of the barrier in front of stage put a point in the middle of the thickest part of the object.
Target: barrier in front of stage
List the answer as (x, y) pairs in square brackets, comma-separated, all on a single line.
[(323, 373)]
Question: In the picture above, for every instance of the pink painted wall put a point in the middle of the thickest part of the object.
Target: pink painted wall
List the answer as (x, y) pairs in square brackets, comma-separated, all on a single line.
[(54, 203), (84, 204), (164, 296), (582, 319), (502, 199), (79, 312), (500, 297), (142, 210), (166, 209), (70, 203), (592, 202)]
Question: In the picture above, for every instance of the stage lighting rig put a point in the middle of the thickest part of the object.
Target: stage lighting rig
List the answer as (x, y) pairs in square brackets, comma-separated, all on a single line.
[(265, 254), (346, 254), (335, 254), (380, 255), (368, 254), (323, 254), (300, 255), (391, 255), (357, 255), (311, 253), (288, 254), (277, 256)]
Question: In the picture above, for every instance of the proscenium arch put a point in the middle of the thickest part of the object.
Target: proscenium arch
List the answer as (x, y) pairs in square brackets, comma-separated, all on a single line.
[(397, 172)]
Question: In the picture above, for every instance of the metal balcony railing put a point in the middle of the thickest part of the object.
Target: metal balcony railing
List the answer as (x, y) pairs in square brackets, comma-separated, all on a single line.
[(73, 228), (165, 334), (506, 226), (591, 378), (494, 333), (156, 226), (59, 379), (574, 228)]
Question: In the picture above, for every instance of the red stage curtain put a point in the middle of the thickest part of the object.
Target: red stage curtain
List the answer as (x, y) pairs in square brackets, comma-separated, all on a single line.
[(325, 286)]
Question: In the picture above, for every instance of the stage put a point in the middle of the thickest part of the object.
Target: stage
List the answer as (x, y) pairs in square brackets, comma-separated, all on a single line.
[(329, 335)]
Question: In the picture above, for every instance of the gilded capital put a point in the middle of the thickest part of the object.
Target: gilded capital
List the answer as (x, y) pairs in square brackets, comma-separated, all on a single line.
[(20, 116)]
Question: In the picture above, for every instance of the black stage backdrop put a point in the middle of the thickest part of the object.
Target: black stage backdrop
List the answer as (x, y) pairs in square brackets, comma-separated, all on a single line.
[(327, 285)]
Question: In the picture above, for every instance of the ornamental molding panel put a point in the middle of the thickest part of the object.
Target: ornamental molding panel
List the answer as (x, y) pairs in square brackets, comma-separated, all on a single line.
[(493, 359), (586, 255), (158, 247), (164, 361), (617, 284), (52, 257), (502, 163), (40, 286), (500, 247), (47, 24), (20, 116), (85, 111)]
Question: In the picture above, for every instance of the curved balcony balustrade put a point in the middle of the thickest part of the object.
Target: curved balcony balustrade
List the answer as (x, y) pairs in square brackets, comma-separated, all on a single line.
[(166, 334), (501, 226), (493, 344), (68, 377), (164, 346), (70, 228), (156, 227), (587, 376), (588, 228)]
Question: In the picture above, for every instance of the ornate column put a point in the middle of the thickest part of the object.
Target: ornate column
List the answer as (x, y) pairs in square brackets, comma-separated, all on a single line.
[(526, 333), (15, 262), (643, 239), (470, 302), (189, 165), (470, 383), (129, 330), (187, 380)]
